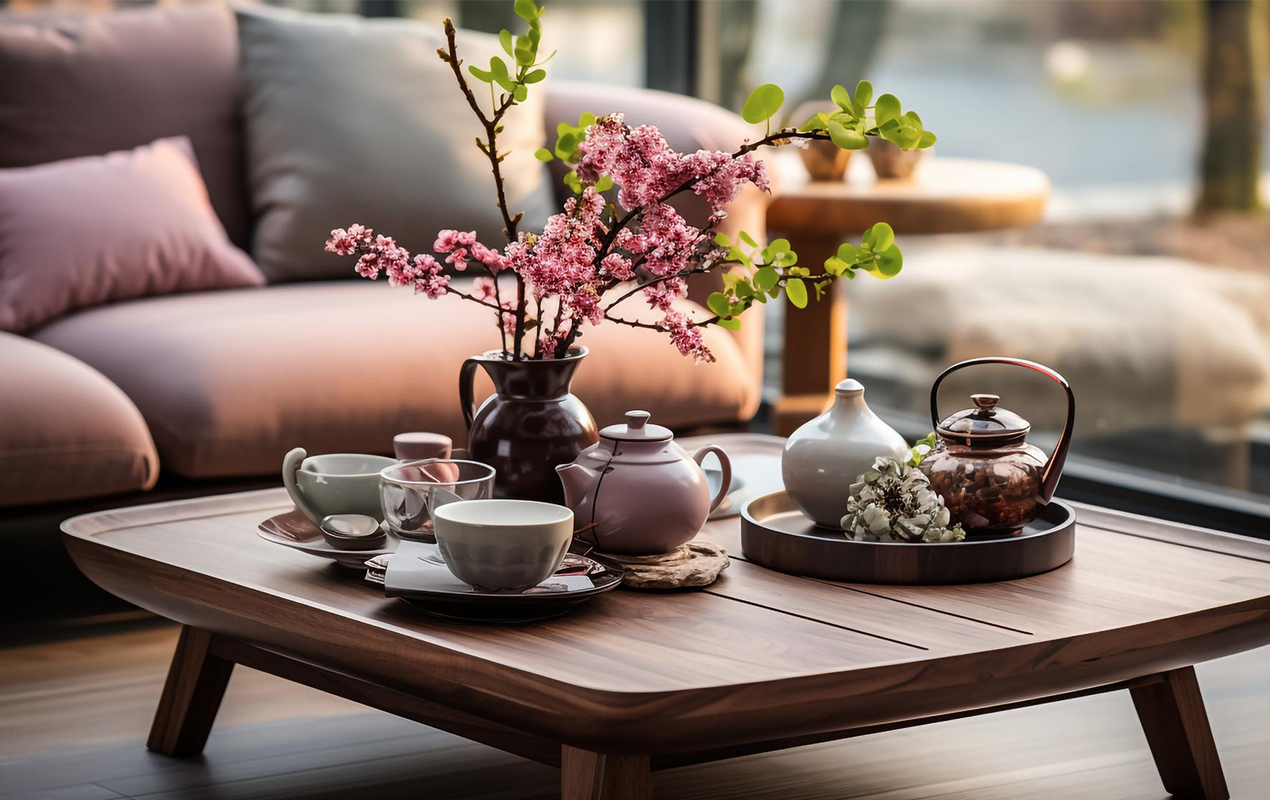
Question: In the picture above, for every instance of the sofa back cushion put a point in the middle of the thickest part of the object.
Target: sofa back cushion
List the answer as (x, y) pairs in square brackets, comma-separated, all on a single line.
[(357, 120), (86, 85), (92, 230)]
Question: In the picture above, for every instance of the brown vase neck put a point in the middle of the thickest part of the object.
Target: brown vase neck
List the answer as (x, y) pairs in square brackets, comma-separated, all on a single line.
[(543, 379)]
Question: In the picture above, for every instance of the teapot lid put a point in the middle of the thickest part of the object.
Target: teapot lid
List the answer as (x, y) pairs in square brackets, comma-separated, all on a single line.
[(637, 429), (985, 425)]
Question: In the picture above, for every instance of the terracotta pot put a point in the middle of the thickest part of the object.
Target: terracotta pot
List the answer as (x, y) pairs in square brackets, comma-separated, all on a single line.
[(529, 426), (890, 162), (825, 161)]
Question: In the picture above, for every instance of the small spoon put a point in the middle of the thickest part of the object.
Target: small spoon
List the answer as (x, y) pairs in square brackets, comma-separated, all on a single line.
[(352, 531)]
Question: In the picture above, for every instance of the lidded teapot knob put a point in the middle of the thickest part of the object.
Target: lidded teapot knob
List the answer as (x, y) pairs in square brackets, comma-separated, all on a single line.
[(985, 402), (635, 420)]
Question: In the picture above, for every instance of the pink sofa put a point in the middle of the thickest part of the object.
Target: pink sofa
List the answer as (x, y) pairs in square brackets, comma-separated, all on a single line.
[(220, 385)]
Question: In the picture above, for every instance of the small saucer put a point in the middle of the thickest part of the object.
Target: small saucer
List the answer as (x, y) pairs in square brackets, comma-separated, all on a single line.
[(296, 531), (448, 597)]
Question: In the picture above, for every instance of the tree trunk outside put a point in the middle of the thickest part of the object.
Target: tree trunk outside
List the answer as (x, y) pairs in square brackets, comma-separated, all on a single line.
[(1235, 65)]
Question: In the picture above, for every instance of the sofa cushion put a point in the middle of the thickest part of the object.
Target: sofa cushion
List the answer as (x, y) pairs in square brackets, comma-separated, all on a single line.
[(1149, 343), (354, 120), (65, 431), (92, 230), (229, 381), (84, 85)]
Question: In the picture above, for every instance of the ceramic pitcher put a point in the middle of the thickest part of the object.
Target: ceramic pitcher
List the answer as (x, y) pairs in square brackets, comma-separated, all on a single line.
[(529, 425), (637, 492), (826, 455)]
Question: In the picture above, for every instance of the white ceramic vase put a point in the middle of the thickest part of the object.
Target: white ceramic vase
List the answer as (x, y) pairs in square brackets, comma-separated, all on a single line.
[(826, 455)]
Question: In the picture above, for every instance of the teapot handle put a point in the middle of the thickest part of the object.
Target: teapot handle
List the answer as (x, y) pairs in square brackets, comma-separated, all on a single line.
[(1054, 469), (725, 466)]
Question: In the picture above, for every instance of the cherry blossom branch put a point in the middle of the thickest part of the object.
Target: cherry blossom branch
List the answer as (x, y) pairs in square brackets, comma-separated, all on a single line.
[(490, 149), (656, 326), (660, 279), (780, 136), (477, 300)]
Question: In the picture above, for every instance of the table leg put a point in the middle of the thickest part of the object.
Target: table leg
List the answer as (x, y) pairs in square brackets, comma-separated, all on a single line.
[(592, 776), (191, 696), (1173, 718)]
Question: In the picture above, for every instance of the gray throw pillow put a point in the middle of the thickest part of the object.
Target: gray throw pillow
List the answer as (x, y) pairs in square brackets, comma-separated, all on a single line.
[(357, 120)]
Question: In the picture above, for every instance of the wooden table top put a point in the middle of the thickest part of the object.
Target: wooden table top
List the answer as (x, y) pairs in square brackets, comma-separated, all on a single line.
[(758, 655), (945, 195)]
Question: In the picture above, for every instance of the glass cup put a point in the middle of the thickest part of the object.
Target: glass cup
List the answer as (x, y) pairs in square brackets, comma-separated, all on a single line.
[(409, 491)]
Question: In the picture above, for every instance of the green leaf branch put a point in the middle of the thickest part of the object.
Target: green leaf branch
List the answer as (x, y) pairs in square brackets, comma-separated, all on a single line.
[(759, 274), (514, 83), (855, 120)]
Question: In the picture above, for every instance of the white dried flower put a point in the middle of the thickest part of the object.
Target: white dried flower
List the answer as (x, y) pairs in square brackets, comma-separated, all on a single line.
[(893, 502)]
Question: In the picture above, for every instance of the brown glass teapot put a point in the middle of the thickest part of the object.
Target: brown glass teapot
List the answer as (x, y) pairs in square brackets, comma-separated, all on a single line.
[(991, 479)]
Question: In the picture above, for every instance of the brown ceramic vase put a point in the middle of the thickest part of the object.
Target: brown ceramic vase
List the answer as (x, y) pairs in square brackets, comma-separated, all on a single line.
[(529, 426)]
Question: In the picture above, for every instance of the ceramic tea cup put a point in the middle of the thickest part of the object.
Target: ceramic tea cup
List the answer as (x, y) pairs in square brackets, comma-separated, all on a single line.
[(339, 483), (503, 545)]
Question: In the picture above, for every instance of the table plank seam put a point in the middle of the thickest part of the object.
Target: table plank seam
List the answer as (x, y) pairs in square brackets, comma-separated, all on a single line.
[(820, 621), (1262, 558), (895, 600)]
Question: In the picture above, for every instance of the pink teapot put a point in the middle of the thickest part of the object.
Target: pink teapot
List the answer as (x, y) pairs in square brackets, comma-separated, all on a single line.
[(637, 492)]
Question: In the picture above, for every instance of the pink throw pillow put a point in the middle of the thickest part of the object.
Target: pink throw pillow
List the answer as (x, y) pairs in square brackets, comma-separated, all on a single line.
[(87, 231)]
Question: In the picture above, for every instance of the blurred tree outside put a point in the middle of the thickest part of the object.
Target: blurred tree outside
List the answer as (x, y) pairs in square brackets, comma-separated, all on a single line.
[(1236, 60)]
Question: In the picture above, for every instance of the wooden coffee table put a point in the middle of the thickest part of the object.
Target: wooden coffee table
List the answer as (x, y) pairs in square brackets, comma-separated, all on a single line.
[(636, 682)]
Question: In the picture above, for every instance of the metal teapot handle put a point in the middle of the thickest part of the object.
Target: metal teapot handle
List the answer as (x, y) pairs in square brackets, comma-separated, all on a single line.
[(1053, 469)]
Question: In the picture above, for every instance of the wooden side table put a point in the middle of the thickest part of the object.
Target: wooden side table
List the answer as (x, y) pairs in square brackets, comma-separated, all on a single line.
[(946, 195)]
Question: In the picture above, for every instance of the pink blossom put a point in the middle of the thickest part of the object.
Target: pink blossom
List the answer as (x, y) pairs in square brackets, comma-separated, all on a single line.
[(686, 336), (547, 344), (381, 254), (578, 257), (428, 277), (719, 176), (345, 242), (617, 267), (447, 240), (488, 256), (640, 162), (368, 266), (458, 258), (670, 242), (562, 260), (484, 288), (662, 296), (583, 305), (509, 317)]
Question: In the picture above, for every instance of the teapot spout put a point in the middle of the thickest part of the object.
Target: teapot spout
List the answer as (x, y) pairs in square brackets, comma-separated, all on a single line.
[(578, 482)]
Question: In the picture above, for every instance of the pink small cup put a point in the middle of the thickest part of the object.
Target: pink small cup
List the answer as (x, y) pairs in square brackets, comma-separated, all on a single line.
[(420, 445)]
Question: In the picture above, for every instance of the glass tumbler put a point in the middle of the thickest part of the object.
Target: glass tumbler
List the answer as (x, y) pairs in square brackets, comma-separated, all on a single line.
[(409, 491)]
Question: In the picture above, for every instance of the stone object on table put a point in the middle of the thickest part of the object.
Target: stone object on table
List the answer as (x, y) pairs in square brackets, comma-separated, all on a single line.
[(688, 566)]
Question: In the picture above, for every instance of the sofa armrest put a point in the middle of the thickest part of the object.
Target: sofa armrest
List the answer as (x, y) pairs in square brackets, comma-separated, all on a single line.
[(688, 124)]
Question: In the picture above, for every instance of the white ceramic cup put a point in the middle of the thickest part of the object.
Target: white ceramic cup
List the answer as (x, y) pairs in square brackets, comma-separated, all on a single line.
[(339, 483), (503, 545)]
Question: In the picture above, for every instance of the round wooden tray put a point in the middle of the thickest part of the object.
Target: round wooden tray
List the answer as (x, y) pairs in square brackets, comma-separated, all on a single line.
[(775, 534)]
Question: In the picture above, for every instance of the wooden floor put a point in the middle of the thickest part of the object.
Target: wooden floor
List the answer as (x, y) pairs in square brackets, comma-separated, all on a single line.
[(74, 715)]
